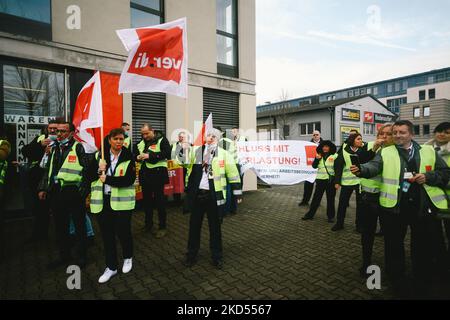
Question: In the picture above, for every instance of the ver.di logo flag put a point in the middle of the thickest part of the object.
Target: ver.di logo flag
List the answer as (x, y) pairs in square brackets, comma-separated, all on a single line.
[(157, 59), (88, 113)]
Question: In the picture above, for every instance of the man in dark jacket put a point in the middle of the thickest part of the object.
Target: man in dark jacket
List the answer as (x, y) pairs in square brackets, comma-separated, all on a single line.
[(152, 153), (34, 152), (64, 183), (411, 194)]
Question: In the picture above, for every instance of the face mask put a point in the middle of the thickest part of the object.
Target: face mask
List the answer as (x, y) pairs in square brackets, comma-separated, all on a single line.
[(64, 142), (53, 137)]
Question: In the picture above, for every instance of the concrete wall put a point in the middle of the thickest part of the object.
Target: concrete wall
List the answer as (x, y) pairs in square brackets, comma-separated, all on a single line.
[(201, 26), (99, 20)]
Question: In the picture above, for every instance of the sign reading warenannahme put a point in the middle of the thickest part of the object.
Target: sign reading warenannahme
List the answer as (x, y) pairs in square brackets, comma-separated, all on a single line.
[(350, 114), (279, 162)]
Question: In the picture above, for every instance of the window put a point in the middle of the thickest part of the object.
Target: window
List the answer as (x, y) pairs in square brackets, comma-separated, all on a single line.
[(405, 85), (333, 97), (227, 39), (416, 113), (286, 130), (350, 93), (146, 13), (307, 129), (426, 111), (375, 90), (421, 95), (328, 98), (430, 79), (397, 86), (389, 87), (426, 129), (29, 18), (362, 91), (416, 130), (432, 94), (369, 90), (356, 92), (369, 129)]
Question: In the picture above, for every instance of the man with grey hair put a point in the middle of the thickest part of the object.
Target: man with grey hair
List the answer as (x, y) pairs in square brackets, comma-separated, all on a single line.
[(209, 169)]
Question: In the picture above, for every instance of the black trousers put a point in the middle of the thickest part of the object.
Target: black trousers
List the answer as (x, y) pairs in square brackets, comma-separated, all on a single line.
[(323, 186), (395, 226), (440, 251), (154, 199), (370, 209), (204, 203), (41, 218), (67, 203), (115, 223), (344, 198), (307, 191)]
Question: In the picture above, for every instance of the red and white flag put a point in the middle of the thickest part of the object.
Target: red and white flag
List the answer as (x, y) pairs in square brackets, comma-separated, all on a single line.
[(88, 113), (157, 59), (207, 127)]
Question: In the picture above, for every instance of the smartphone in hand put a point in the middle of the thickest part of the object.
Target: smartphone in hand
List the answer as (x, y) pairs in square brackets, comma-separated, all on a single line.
[(355, 160)]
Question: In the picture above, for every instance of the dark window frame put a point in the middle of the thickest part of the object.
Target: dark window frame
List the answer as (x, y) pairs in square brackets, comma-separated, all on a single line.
[(224, 69), (429, 94), (416, 132), (424, 95), (27, 27), (426, 132), (155, 12)]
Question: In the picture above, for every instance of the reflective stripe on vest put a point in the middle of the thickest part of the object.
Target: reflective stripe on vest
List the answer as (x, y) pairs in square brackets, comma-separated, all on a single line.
[(70, 171), (322, 173), (391, 174), (153, 148), (3, 167), (122, 199), (371, 185), (348, 178), (127, 142)]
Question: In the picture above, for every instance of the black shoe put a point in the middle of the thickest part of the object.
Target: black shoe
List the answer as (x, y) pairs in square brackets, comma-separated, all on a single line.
[(337, 227), (189, 262), (303, 204), (307, 217), (218, 263), (330, 220)]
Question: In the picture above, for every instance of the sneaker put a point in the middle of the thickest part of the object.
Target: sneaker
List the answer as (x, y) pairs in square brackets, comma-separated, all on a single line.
[(127, 265), (108, 274), (161, 233), (337, 227)]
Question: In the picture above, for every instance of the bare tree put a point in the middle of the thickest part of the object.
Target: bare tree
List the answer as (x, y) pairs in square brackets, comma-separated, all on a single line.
[(282, 113)]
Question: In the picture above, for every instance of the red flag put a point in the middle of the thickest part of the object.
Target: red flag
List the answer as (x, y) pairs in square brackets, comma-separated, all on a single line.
[(157, 60), (207, 126), (112, 110)]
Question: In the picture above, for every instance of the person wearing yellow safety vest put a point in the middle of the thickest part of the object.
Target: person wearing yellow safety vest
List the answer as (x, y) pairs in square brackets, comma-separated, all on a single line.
[(346, 181), (113, 198), (370, 194), (441, 143), (411, 193), (153, 152), (210, 170), (324, 163), (34, 152), (65, 184), (308, 187)]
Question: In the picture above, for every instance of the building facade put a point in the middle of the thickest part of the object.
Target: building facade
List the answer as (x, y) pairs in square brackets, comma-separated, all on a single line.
[(50, 48), (334, 119), (393, 92), (426, 115)]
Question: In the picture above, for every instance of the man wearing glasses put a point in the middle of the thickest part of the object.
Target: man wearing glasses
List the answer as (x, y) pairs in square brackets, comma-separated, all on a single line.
[(34, 152), (65, 186), (308, 190)]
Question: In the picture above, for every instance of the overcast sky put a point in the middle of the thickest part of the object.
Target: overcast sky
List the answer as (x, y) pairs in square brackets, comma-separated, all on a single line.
[(311, 46)]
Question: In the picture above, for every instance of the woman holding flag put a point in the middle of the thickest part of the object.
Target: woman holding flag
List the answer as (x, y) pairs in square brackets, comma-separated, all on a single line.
[(113, 200)]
